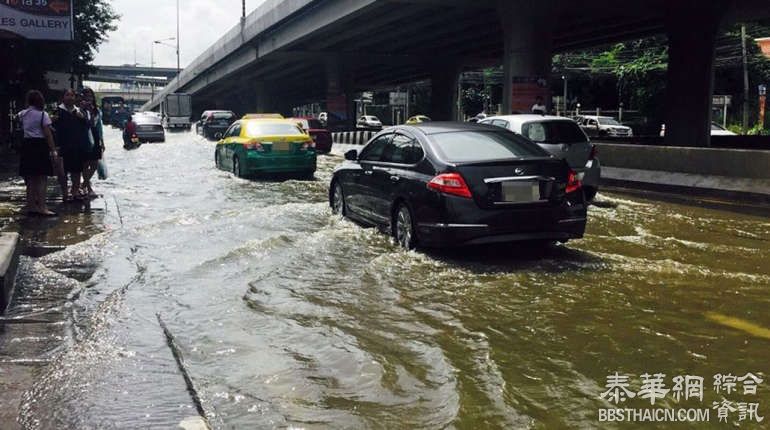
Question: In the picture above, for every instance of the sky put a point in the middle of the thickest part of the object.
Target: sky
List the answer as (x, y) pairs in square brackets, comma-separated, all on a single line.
[(143, 21)]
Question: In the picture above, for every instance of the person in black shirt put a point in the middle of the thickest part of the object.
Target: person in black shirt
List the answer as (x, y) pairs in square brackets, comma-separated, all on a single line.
[(71, 136)]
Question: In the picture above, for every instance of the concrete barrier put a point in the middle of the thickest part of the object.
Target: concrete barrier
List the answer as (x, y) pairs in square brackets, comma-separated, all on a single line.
[(728, 174), (739, 163), (9, 261), (359, 137)]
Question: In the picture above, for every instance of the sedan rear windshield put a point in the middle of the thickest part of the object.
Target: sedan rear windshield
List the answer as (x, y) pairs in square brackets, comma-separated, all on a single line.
[(553, 132), (256, 129), (223, 115), (463, 146)]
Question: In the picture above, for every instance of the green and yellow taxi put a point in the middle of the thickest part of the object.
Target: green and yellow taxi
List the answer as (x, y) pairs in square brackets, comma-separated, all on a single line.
[(417, 119), (255, 146)]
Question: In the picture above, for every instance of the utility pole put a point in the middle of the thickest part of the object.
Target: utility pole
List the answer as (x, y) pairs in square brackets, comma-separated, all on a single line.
[(745, 82), (565, 95), (243, 14), (178, 68)]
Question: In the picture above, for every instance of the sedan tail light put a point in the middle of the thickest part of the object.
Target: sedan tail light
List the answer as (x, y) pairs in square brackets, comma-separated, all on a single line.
[(573, 183), (594, 152), (450, 183), (254, 145)]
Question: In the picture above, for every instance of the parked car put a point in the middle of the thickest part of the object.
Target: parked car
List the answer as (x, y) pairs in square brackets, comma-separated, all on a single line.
[(369, 122), (213, 122), (417, 119), (716, 130), (561, 137), (446, 184), (603, 126), (321, 136), (149, 127), (255, 146)]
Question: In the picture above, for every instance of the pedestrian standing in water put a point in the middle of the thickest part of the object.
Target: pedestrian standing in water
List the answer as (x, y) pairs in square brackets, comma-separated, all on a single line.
[(71, 128), (95, 149), (38, 153)]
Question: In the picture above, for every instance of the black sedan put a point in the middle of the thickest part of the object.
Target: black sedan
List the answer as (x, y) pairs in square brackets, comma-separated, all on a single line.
[(214, 123), (447, 184)]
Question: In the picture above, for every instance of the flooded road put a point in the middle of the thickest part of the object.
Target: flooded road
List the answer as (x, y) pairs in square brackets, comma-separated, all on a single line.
[(288, 316)]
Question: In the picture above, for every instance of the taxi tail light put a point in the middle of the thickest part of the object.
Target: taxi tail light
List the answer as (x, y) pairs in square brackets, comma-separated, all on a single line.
[(573, 183), (254, 145), (450, 183), (308, 145)]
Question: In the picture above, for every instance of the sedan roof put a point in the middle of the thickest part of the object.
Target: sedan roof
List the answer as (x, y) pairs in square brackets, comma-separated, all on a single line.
[(449, 126)]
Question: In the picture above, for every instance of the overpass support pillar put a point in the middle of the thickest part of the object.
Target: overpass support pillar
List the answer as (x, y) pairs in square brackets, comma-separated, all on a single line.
[(692, 28), (528, 33), (263, 98), (444, 91), (339, 91)]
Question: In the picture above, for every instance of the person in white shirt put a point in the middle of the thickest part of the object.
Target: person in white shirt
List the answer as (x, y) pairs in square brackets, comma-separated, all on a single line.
[(538, 107), (37, 153)]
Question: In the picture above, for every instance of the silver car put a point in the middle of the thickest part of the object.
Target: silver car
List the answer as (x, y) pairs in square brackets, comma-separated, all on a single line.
[(149, 128), (561, 137)]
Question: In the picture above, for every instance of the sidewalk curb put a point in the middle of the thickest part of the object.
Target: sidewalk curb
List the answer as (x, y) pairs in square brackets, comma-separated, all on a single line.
[(9, 261)]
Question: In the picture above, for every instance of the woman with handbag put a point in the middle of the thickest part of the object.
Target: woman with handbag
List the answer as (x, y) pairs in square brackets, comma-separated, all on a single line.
[(94, 153), (37, 153)]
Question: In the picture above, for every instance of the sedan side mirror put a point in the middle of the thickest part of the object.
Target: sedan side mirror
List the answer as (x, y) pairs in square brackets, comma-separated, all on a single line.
[(352, 155), (218, 136)]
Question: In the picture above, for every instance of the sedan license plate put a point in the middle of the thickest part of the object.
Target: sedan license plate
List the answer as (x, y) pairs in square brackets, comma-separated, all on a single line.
[(521, 192), (281, 146)]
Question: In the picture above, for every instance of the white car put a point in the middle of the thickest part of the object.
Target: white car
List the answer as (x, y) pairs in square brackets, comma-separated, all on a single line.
[(561, 137), (603, 126), (369, 122)]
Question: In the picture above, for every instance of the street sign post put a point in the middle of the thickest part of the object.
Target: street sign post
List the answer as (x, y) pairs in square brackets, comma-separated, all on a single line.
[(762, 101), (37, 19)]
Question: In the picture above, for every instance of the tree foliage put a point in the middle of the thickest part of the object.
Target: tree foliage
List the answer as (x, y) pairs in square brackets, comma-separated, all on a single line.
[(94, 19)]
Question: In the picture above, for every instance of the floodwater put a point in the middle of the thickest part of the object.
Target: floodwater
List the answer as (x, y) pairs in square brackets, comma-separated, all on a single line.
[(287, 316)]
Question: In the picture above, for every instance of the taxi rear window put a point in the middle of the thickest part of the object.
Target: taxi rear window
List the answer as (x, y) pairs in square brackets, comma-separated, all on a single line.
[(256, 129)]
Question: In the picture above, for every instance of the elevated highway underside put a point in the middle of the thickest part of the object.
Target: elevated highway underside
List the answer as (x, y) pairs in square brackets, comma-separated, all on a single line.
[(288, 53)]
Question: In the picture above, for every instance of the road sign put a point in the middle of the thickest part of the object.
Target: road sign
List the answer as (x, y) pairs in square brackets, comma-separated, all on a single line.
[(397, 98), (57, 81), (37, 19), (722, 100)]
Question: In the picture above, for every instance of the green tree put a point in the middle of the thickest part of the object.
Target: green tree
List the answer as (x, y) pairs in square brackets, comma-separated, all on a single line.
[(94, 19)]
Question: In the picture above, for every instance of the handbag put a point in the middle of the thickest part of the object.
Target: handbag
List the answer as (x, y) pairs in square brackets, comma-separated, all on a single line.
[(101, 169)]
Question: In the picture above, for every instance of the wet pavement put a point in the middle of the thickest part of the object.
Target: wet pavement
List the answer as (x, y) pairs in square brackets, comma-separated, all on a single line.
[(288, 316)]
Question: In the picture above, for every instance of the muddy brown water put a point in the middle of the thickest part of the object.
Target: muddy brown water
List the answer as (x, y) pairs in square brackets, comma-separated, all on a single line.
[(288, 316)]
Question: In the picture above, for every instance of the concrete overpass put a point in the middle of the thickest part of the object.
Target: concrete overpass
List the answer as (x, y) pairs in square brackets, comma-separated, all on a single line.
[(128, 74), (291, 52)]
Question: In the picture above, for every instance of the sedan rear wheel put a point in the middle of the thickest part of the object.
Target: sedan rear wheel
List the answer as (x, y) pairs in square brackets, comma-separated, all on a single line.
[(237, 167), (404, 229), (338, 200)]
